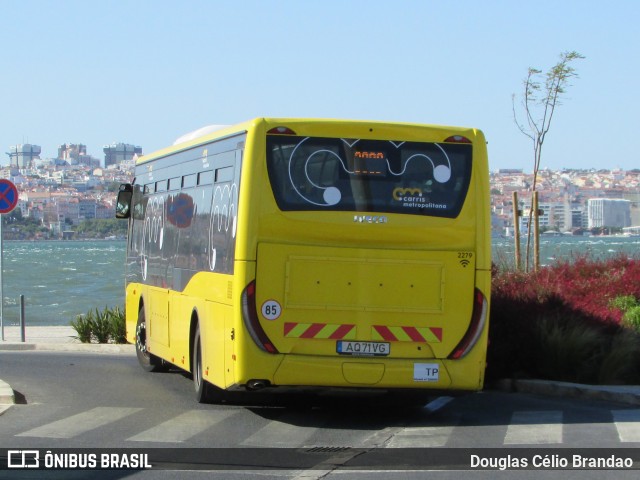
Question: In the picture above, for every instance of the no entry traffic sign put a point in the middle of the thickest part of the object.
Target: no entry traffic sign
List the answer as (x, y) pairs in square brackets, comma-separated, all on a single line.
[(8, 196)]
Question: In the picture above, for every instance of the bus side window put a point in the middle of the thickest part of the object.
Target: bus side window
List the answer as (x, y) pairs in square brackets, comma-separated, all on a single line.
[(175, 183), (162, 186), (189, 181), (224, 175), (205, 178)]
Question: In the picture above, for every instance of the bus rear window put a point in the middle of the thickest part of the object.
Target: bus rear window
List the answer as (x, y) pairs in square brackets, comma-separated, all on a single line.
[(337, 174)]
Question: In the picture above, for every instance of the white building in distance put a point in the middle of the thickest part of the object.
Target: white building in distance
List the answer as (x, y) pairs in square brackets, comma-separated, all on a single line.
[(23, 156), (609, 212)]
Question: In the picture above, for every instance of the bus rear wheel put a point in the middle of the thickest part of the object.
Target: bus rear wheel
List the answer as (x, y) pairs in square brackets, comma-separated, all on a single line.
[(147, 360), (205, 392)]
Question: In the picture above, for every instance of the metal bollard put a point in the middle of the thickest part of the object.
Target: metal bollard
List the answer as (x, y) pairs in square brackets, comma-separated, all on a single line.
[(22, 319)]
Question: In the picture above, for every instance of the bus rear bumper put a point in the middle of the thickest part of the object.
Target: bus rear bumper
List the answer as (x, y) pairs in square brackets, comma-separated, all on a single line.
[(435, 374)]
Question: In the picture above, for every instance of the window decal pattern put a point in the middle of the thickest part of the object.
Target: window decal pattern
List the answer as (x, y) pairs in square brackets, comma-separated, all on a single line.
[(311, 173)]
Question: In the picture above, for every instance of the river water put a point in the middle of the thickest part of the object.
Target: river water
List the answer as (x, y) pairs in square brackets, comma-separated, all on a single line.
[(60, 280), (566, 247)]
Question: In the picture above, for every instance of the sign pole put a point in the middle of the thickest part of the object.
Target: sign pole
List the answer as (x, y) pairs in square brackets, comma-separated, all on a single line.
[(1, 280), (8, 201)]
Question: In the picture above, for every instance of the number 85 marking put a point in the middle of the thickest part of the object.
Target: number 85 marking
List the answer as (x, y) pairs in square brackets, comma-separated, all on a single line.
[(271, 310)]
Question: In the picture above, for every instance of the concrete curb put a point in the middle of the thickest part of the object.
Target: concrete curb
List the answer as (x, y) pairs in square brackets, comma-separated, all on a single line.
[(7, 397), (107, 348), (6, 394), (58, 338), (629, 395)]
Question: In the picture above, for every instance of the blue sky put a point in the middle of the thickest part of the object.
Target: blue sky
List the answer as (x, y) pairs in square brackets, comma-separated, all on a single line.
[(146, 72)]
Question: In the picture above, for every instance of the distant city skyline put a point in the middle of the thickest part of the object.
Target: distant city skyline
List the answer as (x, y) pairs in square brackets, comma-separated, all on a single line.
[(5, 161), (569, 201), (145, 72), (24, 155)]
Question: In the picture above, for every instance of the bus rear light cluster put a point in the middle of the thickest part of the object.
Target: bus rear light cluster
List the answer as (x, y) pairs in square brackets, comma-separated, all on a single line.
[(252, 321), (478, 320)]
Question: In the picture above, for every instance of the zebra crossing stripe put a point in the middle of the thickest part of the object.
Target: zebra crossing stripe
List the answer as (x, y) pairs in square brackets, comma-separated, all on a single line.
[(182, 427), (525, 428), (627, 423), (533, 428), (283, 433), (421, 437), (82, 422)]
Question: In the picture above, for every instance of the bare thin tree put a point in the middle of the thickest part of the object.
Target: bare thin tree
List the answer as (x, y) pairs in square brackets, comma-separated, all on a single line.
[(541, 94)]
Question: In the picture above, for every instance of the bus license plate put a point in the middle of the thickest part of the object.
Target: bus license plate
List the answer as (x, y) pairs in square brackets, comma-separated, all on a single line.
[(363, 349)]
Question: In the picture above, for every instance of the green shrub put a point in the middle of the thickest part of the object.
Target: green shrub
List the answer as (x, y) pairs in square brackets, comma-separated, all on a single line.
[(82, 325), (631, 318), (103, 326), (569, 351), (118, 326), (630, 308), (624, 302), (620, 364)]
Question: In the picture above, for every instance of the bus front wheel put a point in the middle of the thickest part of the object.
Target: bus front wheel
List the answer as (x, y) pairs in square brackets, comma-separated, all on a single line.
[(147, 360)]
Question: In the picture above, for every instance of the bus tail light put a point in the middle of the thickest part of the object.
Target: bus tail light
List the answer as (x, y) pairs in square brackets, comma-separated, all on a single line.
[(252, 322), (281, 131), (478, 320)]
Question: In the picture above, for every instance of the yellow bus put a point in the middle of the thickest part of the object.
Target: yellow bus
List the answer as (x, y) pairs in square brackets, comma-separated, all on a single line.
[(312, 253)]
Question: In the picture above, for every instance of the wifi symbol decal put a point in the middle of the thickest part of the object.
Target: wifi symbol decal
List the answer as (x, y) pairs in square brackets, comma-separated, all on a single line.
[(464, 262)]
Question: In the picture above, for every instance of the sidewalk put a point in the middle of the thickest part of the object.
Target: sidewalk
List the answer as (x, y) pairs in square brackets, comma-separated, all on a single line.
[(63, 339), (629, 394), (37, 335)]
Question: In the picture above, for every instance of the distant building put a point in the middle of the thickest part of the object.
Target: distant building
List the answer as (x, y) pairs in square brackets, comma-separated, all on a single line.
[(579, 218), (634, 198), (119, 152), (608, 212), (70, 152), (23, 156), (76, 154), (553, 215)]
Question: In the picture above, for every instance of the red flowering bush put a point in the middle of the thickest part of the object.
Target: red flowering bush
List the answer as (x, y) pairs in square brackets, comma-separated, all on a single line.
[(585, 286), (559, 322)]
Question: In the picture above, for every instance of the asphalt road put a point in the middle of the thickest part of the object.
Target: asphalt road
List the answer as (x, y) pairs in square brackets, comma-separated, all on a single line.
[(77, 401)]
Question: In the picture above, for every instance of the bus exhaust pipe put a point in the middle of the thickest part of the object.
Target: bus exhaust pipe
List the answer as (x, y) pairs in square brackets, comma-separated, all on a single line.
[(254, 385)]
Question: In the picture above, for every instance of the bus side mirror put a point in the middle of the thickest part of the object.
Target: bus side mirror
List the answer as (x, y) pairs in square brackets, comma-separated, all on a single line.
[(123, 203)]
